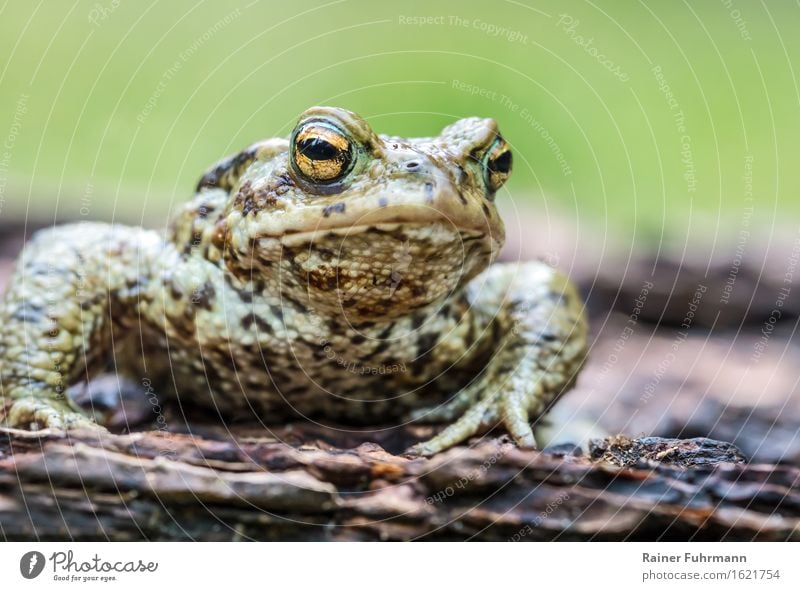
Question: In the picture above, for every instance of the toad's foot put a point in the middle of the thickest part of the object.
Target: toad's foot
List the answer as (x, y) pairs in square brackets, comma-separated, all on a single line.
[(55, 316), (537, 359), (508, 407), (37, 413)]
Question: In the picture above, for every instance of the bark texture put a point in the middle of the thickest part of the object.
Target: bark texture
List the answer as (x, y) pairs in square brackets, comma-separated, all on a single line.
[(304, 483)]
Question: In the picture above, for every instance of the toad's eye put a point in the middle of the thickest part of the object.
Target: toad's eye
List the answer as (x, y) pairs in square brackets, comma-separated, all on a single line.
[(497, 166), (321, 152)]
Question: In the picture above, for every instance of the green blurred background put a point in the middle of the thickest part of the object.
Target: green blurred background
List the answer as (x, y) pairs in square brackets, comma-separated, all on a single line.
[(112, 109)]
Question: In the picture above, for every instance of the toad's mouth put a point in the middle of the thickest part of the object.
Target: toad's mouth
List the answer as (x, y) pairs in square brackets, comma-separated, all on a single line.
[(436, 233), (446, 208)]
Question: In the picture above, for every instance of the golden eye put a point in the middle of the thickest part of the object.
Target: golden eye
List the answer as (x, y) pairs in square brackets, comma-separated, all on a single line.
[(321, 152), (498, 164)]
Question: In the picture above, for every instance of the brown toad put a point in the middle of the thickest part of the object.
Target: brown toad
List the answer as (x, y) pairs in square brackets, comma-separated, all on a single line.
[(337, 274)]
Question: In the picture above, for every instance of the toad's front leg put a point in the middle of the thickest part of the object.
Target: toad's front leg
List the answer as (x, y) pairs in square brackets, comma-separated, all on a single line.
[(56, 316), (540, 350)]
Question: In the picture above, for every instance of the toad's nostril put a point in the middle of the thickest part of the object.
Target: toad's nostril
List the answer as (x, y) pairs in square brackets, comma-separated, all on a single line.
[(413, 165)]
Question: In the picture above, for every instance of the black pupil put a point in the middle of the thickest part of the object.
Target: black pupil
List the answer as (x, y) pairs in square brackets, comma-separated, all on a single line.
[(502, 163), (318, 149)]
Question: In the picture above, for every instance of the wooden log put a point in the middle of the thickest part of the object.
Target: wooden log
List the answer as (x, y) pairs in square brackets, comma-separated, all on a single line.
[(308, 483)]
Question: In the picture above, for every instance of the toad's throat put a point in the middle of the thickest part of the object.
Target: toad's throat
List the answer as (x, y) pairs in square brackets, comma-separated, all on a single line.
[(381, 271)]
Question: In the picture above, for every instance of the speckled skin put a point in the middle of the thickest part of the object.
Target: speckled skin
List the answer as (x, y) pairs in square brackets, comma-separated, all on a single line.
[(370, 299)]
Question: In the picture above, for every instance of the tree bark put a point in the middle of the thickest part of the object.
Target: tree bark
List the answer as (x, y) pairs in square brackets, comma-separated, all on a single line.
[(309, 483)]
